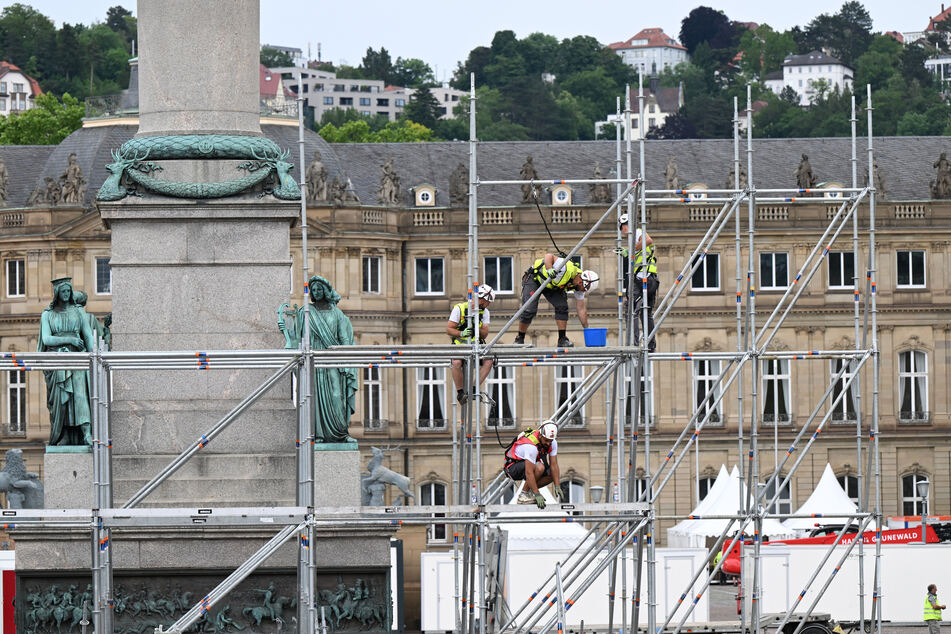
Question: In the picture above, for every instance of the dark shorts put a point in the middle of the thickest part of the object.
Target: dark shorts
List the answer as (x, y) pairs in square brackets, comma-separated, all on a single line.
[(557, 297), (516, 470)]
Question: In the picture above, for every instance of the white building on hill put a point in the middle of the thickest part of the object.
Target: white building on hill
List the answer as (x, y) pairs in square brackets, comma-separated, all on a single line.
[(803, 72)]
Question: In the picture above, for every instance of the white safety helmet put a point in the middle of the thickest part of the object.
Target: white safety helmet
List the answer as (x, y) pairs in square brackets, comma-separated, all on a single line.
[(549, 430), (590, 280), (622, 220), (486, 292)]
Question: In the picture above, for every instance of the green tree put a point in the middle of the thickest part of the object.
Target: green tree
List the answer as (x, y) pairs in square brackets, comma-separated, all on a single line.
[(48, 123), (412, 73), (764, 50), (122, 22), (340, 116), (676, 126), (273, 58), (350, 132), (27, 34), (704, 24), (847, 33), (423, 108), (403, 132), (377, 65)]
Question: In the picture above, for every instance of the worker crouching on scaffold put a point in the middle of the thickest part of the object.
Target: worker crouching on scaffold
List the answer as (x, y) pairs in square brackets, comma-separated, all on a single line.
[(645, 270), (565, 276), (533, 457), (461, 333)]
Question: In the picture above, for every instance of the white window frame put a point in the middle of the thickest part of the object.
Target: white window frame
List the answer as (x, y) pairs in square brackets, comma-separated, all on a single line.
[(704, 485), (573, 489), (496, 283), (783, 505), (775, 375), (15, 269), (914, 499), (847, 481), (431, 383), (841, 412), (909, 256), (768, 285), (708, 261), (641, 402), (367, 263), (568, 378), (16, 418), (500, 386), (429, 273), (428, 494), (705, 375), (845, 282), (917, 377), (96, 262), (373, 418)]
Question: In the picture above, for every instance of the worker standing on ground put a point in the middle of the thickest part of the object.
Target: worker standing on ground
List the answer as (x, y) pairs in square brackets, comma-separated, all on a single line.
[(565, 276), (533, 457), (461, 333), (645, 268), (933, 610)]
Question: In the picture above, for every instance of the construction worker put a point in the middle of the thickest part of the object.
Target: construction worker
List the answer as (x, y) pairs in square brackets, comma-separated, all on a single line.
[(460, 332), (645, 268), (565, 276), (533, 457), (933, 610)]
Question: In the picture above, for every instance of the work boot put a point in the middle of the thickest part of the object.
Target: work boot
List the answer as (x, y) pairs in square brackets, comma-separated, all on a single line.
[(461, 396), (519, 338), (564, 342), (525, 498)]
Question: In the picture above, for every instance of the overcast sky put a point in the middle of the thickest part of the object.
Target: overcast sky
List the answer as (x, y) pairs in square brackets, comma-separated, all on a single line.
[(442, 33)]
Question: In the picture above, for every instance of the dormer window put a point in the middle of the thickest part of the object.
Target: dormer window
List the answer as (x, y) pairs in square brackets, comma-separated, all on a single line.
[(561, 195), (424, 195)]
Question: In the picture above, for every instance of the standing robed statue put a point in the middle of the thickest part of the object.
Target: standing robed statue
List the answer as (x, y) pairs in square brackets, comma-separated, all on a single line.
[(334, 388), (64, 327)]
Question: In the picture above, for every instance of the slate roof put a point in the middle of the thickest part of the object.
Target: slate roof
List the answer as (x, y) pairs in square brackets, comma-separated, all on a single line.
[(813, 58), (907, 163), (667, 98)]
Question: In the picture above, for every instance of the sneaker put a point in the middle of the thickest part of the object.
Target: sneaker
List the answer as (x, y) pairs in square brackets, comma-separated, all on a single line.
[(526, 498), (519, 338), (564, 342)]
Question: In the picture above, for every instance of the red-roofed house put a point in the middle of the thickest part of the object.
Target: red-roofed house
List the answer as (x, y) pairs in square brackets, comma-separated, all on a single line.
[(651, 50), (17, 89), (275, 98)]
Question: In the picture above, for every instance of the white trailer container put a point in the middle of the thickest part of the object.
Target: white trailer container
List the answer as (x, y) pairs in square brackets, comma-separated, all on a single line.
[(525, 570), (906, 571)]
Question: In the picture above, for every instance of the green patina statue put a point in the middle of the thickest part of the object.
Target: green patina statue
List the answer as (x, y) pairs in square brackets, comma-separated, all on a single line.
[(65, 327), (334, 388)]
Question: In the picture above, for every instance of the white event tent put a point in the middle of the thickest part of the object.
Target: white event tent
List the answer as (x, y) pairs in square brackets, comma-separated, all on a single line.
[(828, 497), (721, 500)]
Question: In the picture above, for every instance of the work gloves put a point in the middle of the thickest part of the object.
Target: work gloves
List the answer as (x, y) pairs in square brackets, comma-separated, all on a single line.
[(559, 494), (550, 273), (540, 500), (465, 334)]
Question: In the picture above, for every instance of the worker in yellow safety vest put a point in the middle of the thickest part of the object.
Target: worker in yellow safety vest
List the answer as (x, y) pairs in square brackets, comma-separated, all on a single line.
[(565, 276), (645, 271), (461, 332), (933, 610)]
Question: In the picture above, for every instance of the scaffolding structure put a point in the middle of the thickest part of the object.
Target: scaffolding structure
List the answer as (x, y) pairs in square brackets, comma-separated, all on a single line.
[(624, 526)]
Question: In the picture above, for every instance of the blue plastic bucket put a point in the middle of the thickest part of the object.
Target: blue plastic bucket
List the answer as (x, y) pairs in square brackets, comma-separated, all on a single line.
[(595, 337)]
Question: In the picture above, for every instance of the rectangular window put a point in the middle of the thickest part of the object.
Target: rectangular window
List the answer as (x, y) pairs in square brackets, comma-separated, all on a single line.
[(346, 101), (434, 494), (340, 88), (634, 123), (641, 398), (373, 400), (430, 398), (841, 269), (911, 502), (318, 87), (913, 384), (500, 386), (3, 103), (16, 401), (16, 278), (911, 269), (328, 101), (365, 101), (498, 273), (429, 276), (567, 381), (354, 88), (707, 275), (17, 87), (399, 103), (383, 103), (706, 389), (3, 86), (783, 504), (844, 410), (776, 391), (773, 270), (371, 273), (103, 277)]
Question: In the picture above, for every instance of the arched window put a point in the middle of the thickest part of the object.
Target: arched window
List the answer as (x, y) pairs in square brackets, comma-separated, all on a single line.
[(703, 487), (910, 500), (849, 484), (573, 491), (434, 494)]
